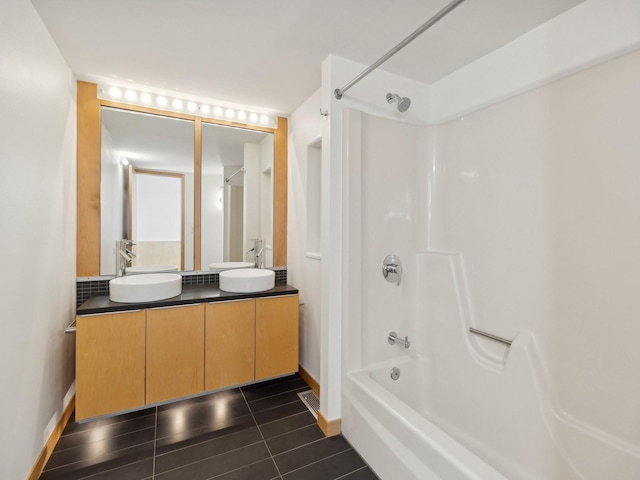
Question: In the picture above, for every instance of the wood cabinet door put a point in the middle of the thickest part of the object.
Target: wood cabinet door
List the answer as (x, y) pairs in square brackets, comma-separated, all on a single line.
[(276, 336), (175, 352), (230, 343), (110, 363)]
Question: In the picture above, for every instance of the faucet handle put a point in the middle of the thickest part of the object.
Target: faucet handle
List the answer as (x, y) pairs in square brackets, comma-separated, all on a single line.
[(392, 268)]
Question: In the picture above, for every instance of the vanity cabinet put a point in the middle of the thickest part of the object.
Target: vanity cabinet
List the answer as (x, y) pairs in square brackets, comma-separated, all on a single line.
[(175, 352), (110, 363), (276, 336), (230, 343), (131, 359)]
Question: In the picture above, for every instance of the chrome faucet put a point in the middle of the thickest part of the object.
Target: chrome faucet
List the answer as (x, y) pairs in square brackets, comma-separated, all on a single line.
[(123, 256), (258, 249), (393, 338)]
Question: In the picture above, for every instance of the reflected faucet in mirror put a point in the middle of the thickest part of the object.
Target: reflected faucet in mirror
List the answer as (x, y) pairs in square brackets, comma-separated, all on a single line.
[(258, 249), (123, 256)]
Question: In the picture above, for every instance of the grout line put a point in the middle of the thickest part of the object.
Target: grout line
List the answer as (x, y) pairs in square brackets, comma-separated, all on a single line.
[(262, 436), (212, 456), (354, 471), (155, 443), (321, 460), (170, 452), (295, 430), (91, 459), (293, 390), (305, 412)]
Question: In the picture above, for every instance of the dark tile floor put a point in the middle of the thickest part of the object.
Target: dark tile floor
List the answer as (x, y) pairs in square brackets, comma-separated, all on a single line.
[(257, 432)]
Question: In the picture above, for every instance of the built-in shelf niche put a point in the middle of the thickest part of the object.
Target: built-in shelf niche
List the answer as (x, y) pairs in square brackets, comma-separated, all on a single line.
[(314, 188)]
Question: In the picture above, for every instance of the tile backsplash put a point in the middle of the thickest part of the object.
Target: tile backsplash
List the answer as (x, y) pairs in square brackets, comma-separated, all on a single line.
[(88, 286)]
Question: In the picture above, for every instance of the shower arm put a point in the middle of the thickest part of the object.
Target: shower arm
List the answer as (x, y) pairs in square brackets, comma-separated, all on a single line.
[(338, 92), (233, 175)]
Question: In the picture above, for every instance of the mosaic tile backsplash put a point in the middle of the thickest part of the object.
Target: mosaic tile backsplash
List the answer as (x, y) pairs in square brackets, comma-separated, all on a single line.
[(85, 287)]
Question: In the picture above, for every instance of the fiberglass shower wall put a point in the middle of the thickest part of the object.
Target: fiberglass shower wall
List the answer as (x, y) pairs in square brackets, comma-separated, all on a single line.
[(539, 194), (388, 198)]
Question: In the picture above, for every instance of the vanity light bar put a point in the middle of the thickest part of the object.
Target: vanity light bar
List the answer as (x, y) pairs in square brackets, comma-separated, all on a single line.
[(176, 104)]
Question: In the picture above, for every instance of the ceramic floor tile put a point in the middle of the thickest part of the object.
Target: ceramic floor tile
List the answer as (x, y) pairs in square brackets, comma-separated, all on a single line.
[(329, 468), (287, 424), (280, 412), (204, 450), (264, 470), (218, 465), (257, 432), (310, 453), (294, 439)]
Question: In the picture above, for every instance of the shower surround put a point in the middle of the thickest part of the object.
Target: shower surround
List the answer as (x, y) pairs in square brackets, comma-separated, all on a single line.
[(519, 219)]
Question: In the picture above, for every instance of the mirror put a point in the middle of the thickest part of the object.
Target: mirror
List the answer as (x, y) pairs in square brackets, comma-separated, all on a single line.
[(88, 198), (151, 198), (146, 188), (237, 195)]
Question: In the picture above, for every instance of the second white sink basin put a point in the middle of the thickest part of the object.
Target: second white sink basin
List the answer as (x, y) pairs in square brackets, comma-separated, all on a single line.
[(148, 287), (247, 280)]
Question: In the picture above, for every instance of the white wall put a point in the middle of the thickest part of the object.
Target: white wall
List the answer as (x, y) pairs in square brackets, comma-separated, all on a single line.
[(305, 128), (111, 195), (368, 96), (37, 220), (212, 220)]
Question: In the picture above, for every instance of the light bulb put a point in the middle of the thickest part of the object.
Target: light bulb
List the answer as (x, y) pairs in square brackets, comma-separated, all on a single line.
[(192, 107), (205, 109), (145, 98), (162, 101), (217, 111), (115, 92), (253, 117), (131, 95), (177, 104), (242, 116), (230, 113), (264, 119)]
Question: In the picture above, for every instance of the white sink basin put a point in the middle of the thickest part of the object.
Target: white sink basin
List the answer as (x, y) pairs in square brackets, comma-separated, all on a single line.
[(152, 268), (247, 280), (147, 287), (222, 266)]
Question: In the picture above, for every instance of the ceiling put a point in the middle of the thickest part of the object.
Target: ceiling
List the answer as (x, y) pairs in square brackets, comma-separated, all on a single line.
[(268, 54)]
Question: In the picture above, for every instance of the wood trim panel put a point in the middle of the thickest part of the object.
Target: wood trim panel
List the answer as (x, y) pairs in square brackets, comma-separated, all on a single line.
[(88, 181), (229, 343), (330, 428), (197, 195), (43, 458), (312, 382), (276, 336), (175, 352), (113, 345), (280, 157)]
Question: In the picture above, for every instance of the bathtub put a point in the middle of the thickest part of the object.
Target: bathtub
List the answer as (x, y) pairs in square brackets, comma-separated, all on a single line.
[(461, 420), (389, 424)]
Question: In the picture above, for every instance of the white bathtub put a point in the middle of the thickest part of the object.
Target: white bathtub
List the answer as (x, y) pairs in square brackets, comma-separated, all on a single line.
[(389, 425), (463, 421)]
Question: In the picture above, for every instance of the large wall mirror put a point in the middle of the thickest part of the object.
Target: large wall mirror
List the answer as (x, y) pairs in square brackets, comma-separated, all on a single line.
[(189, 191)]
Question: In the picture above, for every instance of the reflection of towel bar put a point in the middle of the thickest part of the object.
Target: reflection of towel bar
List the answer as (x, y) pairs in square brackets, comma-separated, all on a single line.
[(492, 337)]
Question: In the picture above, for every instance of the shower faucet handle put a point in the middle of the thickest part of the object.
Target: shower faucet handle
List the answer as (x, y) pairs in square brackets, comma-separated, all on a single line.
[(392, 269)]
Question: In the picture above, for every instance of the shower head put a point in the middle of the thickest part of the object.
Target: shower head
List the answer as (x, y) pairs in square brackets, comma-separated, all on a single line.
[(403, 102)]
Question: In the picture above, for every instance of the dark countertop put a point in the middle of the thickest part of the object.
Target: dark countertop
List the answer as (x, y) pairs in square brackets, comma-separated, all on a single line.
[(190, 294)]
